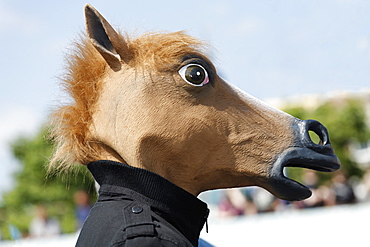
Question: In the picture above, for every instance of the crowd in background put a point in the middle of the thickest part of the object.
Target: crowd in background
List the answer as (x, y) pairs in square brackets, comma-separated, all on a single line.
[(253, 200), (234, 202), (42, 225)]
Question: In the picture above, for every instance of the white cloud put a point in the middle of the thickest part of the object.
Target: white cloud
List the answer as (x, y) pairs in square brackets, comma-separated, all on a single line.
[(220, 9), (249, 26), (11, 20), (14, 123), (362, 43), (18, 121)]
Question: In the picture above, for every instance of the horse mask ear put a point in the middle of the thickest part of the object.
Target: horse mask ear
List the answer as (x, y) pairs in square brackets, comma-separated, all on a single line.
[(105, 39)]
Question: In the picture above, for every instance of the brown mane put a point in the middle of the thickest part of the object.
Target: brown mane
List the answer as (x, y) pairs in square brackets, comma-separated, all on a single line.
[(84, 79)]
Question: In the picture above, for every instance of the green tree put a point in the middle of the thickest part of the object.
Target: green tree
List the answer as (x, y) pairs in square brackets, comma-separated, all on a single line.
[(346, 123), (35, 186)]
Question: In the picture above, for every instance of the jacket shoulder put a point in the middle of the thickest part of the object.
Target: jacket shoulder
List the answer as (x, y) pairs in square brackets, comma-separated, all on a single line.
[(128, 224)]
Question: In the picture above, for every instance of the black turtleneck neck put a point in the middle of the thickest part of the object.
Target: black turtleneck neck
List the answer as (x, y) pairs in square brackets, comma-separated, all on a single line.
[(180, 208)]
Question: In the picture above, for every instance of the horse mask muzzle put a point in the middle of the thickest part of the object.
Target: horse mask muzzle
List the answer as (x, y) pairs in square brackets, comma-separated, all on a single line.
[(304, 153)]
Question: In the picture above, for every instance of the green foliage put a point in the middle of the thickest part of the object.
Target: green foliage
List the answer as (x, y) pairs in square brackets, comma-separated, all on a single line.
[(346, 123), (34, 186)]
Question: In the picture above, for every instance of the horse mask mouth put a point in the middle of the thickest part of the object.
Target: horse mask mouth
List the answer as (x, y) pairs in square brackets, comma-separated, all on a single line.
[(305, 154)]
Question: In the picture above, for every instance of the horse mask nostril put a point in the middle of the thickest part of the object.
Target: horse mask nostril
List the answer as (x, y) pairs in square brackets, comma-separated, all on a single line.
[(316, 133), (315, 137)]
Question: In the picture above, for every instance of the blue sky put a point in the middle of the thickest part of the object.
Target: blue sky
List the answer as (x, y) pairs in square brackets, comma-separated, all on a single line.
[(268, 48)]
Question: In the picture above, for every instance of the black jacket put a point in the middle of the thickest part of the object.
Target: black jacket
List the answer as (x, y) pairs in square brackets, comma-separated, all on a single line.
[(137, 207)]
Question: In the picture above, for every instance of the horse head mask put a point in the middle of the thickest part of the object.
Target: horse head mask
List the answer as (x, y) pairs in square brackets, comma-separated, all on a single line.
[(156, 102)]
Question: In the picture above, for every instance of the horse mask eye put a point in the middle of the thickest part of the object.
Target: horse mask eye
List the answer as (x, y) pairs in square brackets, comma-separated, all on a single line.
[(194, 74)]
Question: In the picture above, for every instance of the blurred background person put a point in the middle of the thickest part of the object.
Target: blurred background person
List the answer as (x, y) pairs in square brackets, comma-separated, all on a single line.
[(233, 203), (42, 225), (344, 193), (83, 207)]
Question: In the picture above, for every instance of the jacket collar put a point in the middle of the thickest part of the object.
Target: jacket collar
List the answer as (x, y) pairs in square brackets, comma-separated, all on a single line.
[(180, 208)]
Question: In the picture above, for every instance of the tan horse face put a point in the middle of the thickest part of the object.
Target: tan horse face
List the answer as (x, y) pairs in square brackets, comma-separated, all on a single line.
[(188, 125)]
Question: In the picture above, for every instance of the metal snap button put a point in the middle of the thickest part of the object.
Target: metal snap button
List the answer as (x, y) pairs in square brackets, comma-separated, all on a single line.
[(137, 209)]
